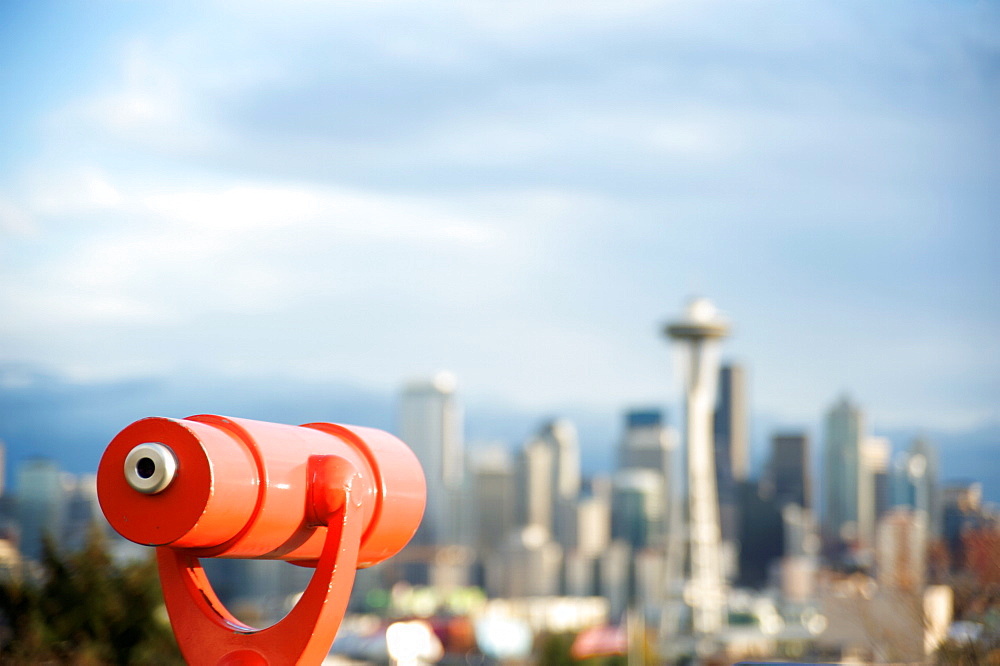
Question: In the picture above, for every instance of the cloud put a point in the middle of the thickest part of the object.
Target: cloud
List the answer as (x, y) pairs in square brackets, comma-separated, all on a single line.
[(518, 192), (14, 220)]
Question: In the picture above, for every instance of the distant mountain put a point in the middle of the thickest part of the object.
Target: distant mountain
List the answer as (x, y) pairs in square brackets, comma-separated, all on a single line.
[(42, 414), (48, 416)]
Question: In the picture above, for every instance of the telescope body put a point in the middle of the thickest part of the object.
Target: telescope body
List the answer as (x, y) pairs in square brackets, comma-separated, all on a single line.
[(241, 488), (324, 495)]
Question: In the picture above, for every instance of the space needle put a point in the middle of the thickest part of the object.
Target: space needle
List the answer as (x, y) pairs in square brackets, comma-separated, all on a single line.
[(696, 335)]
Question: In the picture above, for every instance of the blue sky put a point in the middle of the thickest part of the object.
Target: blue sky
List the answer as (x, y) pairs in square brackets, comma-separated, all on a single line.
[(521, 192)]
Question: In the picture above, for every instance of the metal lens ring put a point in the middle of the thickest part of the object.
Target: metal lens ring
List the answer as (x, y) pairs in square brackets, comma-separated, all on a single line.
[(150, 467)]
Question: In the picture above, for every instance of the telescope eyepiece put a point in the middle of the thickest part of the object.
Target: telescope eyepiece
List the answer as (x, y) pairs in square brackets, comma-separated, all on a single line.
[(150, 467)]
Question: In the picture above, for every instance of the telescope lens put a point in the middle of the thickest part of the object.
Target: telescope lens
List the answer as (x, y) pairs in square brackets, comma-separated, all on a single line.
[(150, 468), (145, 467)]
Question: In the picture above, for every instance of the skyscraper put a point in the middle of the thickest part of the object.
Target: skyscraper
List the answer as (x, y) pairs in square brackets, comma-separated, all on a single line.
[(430, 422), (731, 423), (731, 436), (697, 334), (875, 497), (918, 485), (535, 492), (844, 434), (550, 480), (41, 503), (902, 550), (788, 470), (637, 511), (493, 493), (648, 443)]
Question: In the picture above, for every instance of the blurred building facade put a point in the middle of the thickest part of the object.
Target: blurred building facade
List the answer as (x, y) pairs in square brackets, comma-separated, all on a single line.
[(842, 477), (430, 422), (41, 503), (789, 472), (731, 433)]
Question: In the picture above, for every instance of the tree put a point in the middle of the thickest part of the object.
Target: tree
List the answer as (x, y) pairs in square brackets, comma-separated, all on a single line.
[(85, 610)]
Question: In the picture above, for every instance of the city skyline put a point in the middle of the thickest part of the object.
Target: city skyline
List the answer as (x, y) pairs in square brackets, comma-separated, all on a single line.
[(520, 196), (470, 225), (614, 538), (72, 424)]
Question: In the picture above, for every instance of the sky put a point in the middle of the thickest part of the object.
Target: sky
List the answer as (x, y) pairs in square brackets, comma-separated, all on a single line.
[(523, 193)]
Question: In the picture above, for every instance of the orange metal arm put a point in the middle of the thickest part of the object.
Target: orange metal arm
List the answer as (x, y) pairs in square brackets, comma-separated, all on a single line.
[(208, 634)]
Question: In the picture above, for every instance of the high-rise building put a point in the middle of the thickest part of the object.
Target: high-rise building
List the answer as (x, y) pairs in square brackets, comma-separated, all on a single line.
[(82, 512), (917, 483), (637, 511), (535, 490), (528, 564), (593, 537), (799, 562), (732, 450), (962, 512), (842, 473), (550, 480), (649, 444), (762, 536), (788, 470), (697, 334), (430, 422), (731, 423), (902, 550), (493, 494), (593, 525), (41, 504), (876, 491)]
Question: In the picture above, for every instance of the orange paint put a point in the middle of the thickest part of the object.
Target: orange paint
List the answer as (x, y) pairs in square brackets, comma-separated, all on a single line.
[(329, 496)]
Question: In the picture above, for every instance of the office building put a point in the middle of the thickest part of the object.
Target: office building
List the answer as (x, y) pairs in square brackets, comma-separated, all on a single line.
[(648, 443), (732, 425), (917, 483), (842, 487), (549, 480), (788, 470), (593, 522), (493, 496), (902, 550), (41, 504), (875, 496), (593, 537), (535, 492), (528, 564), (82, 512), (637, 511), (800, 559), (762, 535), (732, 449), (962, 512), (430, 422)]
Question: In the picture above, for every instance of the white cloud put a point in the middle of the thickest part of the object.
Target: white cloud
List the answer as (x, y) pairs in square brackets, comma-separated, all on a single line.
[(357, 187), (52, 190), (14, 220)]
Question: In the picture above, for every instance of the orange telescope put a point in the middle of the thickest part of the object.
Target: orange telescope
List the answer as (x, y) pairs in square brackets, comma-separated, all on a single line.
[(322, 495)]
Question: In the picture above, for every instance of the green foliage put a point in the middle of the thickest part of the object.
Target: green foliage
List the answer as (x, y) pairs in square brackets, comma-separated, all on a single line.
[(553, 649), (84, 610)]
